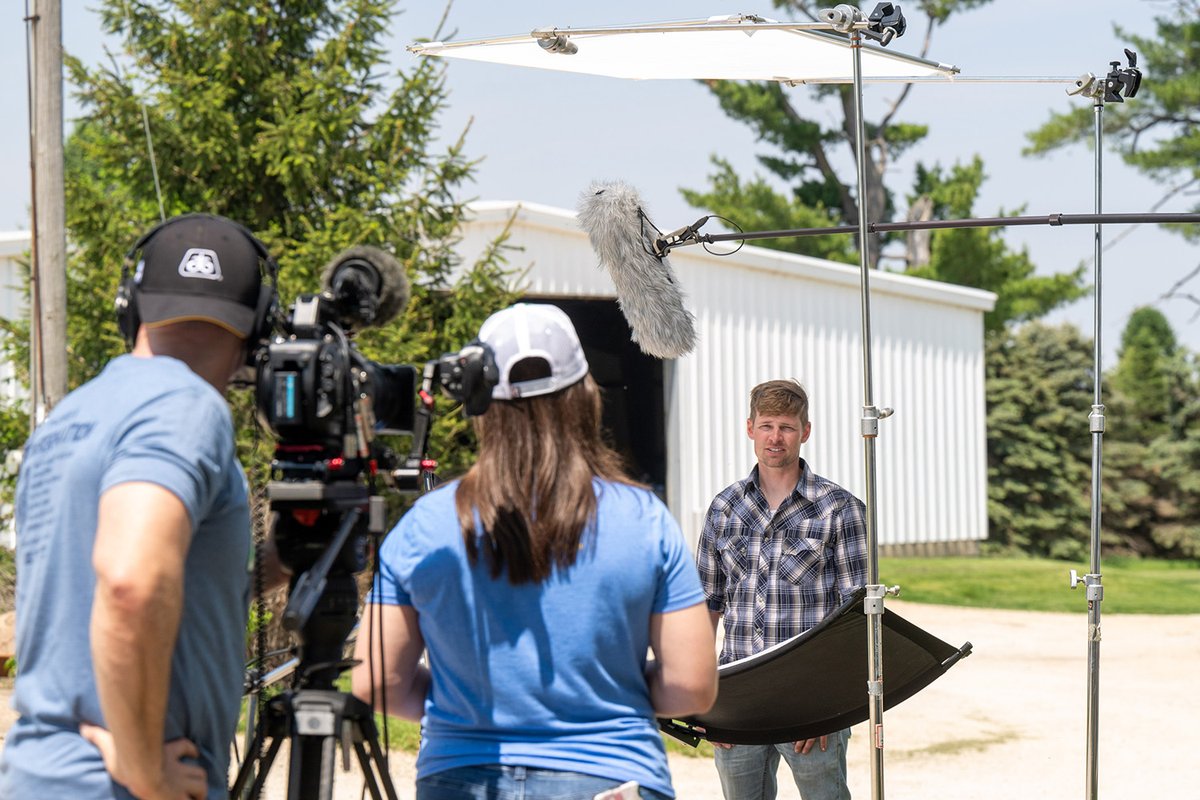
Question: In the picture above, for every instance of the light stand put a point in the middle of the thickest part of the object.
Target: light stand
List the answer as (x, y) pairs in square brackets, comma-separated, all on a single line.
[(874, 600), (1118, 84)]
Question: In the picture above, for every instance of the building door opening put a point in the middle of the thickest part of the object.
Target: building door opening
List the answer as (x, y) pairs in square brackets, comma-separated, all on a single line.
[(632, 384)]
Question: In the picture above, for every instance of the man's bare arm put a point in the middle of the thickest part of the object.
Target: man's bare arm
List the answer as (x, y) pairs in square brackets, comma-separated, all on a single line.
[(141, 545)]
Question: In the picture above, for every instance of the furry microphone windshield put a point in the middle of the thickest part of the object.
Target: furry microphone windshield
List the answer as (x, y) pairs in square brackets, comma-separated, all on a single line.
[(647, 292)]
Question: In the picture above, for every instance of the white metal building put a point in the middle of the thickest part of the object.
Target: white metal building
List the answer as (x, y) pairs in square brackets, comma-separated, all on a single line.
[(764, 314)]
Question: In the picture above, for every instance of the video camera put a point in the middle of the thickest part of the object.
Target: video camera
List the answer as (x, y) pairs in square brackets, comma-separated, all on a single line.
[(327, 403)]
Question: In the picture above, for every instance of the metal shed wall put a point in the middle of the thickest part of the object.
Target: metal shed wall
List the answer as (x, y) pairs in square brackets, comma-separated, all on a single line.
[(764, 314)]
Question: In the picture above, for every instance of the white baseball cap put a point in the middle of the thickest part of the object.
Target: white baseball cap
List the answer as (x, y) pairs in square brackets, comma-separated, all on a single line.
[(533, 331)]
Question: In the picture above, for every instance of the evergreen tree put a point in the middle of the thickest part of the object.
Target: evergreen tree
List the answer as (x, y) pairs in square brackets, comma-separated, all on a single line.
[(1142, 379), (280, 115), (1039, 393), (1157, 132), (819, 196), (277, 115), (802, 157), (1152, 453)]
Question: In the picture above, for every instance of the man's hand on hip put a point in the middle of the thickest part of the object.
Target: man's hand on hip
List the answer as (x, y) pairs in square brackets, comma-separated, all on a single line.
[(178, 780)]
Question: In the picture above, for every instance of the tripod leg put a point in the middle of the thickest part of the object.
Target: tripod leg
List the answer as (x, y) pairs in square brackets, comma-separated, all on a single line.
[(368, 771), (375, 759), (311, 775), (370, 739), (246, 772)]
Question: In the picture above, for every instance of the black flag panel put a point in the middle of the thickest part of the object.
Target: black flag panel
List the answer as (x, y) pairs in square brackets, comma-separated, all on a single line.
[(816, 683)]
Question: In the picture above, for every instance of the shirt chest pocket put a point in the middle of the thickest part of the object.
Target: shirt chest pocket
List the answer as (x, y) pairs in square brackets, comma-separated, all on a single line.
[(807, 545), (735, 556)]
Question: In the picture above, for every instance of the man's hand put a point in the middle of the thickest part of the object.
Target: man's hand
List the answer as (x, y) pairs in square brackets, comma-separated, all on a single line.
[(722, 745), (805, 747), (178, 779)]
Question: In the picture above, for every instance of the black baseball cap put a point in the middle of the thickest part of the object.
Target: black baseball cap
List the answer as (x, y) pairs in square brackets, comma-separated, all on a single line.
[(199, 267)]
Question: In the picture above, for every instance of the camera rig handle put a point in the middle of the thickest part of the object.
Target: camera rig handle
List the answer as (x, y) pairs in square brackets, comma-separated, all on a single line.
[(419, 470)]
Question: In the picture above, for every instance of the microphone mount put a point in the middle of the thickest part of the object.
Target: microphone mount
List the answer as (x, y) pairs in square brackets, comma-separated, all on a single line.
[(680, 236)]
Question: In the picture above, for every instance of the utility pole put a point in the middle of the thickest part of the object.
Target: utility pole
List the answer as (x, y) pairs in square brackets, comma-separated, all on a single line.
[(48, 315)]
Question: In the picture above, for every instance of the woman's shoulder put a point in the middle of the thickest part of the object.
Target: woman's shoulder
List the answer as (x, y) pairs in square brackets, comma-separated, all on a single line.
[(626, 492), (615, 498), (431, 507)]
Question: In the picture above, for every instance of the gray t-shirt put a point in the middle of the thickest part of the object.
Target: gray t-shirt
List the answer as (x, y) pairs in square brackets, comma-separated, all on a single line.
[(141, 419)]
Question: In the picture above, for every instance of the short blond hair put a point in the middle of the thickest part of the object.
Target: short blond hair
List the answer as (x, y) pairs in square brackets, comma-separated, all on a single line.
[(780, 398)]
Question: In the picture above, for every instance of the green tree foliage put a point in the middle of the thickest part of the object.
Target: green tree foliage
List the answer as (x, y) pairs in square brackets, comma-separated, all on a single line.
[(279, 115), (1039, 393), (802, 156), (1158, 131), (1144, 397), (979, 257), (1152, 454)]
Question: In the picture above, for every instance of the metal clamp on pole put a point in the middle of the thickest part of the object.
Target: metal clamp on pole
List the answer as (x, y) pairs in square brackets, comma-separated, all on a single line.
[(1096, 419), (1095, 588), (870, 420), (873, 602)]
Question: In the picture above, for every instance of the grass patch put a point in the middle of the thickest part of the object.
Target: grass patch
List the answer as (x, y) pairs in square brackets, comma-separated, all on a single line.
[(954, 747), (8, 579), (701, 750), (1131, 586)]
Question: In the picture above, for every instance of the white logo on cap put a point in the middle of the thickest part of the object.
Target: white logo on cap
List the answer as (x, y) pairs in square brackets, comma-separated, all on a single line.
[(200, 262)]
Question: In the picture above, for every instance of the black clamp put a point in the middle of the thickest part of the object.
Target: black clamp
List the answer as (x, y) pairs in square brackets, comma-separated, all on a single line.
[(885, 23), (1122, 83)]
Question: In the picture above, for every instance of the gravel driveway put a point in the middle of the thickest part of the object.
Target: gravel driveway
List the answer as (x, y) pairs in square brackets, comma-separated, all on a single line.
[(1008, 721)]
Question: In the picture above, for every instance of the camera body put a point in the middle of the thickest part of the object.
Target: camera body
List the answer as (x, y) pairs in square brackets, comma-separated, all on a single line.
[(322, 397), (327, 402)]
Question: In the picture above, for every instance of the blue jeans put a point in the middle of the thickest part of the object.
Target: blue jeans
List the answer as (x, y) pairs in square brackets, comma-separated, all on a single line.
[(748, 770), (496, 782)]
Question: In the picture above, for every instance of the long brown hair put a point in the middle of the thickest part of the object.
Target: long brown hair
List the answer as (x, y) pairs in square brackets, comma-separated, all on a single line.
[(532, 484)]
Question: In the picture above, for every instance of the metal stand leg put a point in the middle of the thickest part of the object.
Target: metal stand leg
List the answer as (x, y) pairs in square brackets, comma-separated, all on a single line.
[(1095, 590), (870, 430), (1096, 420)]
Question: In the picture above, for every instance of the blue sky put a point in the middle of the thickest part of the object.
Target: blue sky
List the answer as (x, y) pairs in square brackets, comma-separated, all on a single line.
[(544, 136)]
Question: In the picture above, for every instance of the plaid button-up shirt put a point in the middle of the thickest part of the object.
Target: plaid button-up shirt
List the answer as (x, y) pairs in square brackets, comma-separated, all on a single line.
[(775, 576)]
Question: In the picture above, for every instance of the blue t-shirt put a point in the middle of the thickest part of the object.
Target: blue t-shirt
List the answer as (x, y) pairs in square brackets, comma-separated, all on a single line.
[(141, 419), (547, 675)]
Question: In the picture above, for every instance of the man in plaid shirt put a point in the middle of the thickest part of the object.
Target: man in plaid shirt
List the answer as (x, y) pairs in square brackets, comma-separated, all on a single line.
[(779, 551)]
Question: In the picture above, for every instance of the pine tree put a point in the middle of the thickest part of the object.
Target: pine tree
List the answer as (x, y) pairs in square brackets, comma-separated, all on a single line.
[(281, 116), (1039, 393)]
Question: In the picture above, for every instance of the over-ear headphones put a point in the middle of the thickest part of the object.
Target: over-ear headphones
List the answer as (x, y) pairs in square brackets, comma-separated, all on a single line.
[(126, 304)]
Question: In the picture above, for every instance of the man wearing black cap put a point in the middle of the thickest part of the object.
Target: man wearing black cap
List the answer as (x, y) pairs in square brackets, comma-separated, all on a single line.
[(133, 534)]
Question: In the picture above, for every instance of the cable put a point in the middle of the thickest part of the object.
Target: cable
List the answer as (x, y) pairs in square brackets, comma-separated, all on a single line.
[(162, 213)]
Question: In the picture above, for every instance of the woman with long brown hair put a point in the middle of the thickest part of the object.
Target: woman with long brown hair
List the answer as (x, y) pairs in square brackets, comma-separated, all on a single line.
[(538, 583)]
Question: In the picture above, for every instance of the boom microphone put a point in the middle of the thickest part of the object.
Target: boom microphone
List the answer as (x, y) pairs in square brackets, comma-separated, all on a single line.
[(368, 285), (626, 243)]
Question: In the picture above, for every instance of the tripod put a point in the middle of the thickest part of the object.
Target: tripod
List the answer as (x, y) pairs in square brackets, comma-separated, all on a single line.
[(322, 606)]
